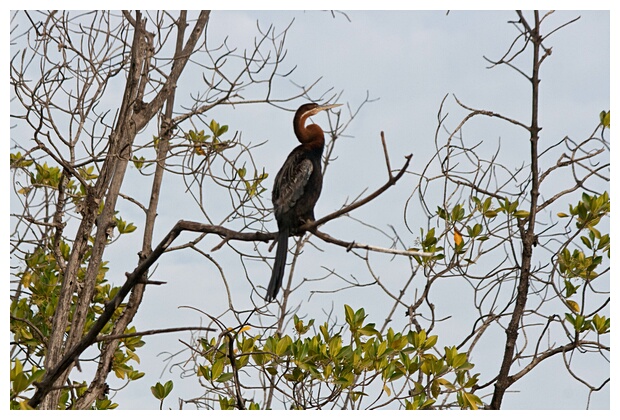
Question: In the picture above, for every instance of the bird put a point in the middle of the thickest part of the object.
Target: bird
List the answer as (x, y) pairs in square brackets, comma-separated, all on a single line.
[(297, 187)]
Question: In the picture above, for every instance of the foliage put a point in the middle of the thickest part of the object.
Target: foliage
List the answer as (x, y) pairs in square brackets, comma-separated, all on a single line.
[(354, 367), (578, 268), (31, 324), (33, 306)]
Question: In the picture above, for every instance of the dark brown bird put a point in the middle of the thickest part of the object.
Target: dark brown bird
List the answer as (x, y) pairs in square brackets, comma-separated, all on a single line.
[(297, 187)]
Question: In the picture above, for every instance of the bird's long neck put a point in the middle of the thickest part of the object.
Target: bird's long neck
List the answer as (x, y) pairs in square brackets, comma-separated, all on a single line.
[(312, 135)]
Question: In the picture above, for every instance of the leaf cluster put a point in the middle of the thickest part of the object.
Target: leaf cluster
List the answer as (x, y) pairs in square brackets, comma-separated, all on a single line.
[(31, 324), (578, 268), (340, 366)]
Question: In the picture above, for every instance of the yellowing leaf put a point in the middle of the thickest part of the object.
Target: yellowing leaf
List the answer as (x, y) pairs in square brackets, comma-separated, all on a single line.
[(387, 390), (574, 306), (471, 400), (458, 238)]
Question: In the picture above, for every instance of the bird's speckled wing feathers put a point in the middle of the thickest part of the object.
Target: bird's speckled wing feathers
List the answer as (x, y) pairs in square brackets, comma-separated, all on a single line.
[(290, 184)]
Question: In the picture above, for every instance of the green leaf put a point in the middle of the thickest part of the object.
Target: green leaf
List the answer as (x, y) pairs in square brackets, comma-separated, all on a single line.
[(570, 288), (223, 129), (457, 213), (430, 342), (105, 404), (382, 348), (38, 375), (134, 375), (160, 391), (20, 383), (283, 345), (225, 403), (586, 242), (138, 162), (605, 117), (217, 369), (359, 317), (601, 324), (368, 330), (603, 242), (18, 161), (168, 387), (521, 214), (225, 377), (417, 339), (459, 360), (355, 395), (324, 330), (335, 344), (349, 315), (451, 353)]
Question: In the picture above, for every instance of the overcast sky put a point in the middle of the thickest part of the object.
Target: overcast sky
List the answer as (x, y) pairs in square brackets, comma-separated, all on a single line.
[(408, 61)]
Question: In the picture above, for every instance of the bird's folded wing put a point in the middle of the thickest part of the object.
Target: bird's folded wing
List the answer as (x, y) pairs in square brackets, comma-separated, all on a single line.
[(292, 186)]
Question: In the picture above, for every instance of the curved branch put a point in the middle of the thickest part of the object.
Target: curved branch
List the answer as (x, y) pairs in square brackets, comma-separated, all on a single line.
[(475, 112), (545, 355), (309, 226)]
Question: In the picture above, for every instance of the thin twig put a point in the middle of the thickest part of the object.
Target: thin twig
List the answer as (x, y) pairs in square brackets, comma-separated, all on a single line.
[(150, 332), (387, 157)]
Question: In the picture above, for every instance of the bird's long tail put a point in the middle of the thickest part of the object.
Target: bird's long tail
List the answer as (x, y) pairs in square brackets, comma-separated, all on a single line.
[(278, 266)]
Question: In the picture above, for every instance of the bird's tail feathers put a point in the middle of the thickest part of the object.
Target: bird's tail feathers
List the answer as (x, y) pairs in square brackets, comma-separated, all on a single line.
[(278, 266)]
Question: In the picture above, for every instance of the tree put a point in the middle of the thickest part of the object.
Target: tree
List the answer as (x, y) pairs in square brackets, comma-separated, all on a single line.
[(499, 230), (76, 139)]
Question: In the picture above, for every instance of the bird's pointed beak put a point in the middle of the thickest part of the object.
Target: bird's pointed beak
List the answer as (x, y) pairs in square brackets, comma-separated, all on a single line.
[(326, 107)]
